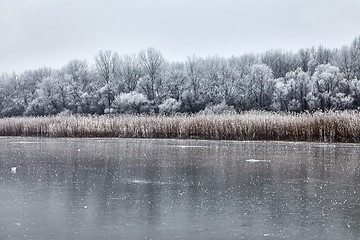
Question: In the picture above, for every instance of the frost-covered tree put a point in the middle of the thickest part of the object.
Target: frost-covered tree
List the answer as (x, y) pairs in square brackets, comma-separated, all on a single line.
[(298, 85), (175, 80), (2, 92), (132, 102), (131, 72), (221, 108), (354, 51), (354, 85), (280, 62), (342, 60), (19, 90), (240, 68), (14, 102), (221, 80), (323, 55), (290, 93), (259, 87), (327, 88), (310, 79), (47, 99), (169, 106), (107, 67), (212, 80), (194, 97), (30, 81), (242, 65), (304, 56), (81, 87), (152, 62), (229, 80)]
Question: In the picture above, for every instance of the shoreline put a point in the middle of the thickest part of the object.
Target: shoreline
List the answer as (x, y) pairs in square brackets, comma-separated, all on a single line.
[(331, 126)]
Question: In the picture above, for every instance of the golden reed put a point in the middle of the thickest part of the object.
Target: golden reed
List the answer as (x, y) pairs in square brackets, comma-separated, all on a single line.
[(331, 126)]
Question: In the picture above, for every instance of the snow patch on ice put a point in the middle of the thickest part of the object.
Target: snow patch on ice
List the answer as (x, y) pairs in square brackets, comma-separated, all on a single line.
[(141, 181), (25, 142), (257, 160), (138, 181), (189, 146)]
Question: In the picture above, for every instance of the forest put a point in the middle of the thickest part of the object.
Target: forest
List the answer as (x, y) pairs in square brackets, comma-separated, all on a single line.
[(311, 79)]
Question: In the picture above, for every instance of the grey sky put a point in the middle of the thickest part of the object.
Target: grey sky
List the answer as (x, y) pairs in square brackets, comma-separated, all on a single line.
[(35, 33)]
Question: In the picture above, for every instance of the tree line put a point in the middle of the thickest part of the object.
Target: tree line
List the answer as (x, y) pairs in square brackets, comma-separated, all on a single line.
[(316, 78)]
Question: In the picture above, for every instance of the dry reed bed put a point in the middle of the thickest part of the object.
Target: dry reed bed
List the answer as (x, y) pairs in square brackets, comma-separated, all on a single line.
[(329, 126)]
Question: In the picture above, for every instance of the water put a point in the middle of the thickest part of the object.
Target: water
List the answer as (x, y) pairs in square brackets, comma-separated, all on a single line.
[(177, 189)]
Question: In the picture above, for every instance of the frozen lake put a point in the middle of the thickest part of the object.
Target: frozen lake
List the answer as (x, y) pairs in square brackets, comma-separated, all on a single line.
[(177, 189)]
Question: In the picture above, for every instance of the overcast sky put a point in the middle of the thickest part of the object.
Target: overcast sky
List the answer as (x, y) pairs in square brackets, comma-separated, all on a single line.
[(35, 33)]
